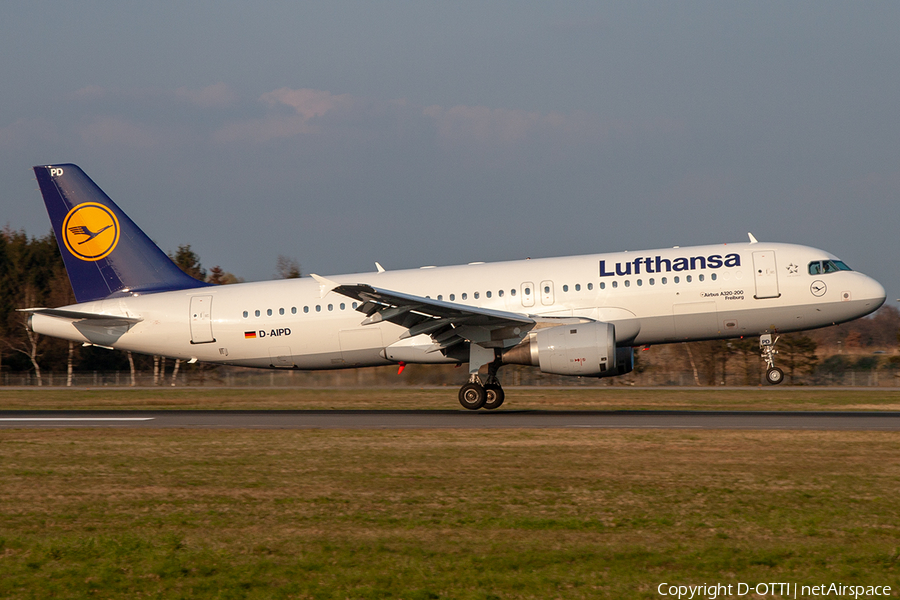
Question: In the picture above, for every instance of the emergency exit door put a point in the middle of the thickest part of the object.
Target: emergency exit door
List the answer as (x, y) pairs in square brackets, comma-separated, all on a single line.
[(201, 320)]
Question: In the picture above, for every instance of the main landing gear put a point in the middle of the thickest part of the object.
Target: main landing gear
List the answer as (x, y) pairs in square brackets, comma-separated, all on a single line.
[(489, 395), (774, 375)]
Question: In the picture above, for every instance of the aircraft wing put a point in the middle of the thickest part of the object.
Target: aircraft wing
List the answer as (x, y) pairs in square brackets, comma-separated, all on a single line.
[(448, 323)]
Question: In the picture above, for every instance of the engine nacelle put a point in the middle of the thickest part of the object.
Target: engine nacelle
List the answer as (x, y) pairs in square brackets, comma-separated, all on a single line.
[(585, 349)]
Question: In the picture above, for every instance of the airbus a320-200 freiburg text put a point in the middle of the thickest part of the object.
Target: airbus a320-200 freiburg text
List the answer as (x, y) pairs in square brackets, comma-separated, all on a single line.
[(574, 315)]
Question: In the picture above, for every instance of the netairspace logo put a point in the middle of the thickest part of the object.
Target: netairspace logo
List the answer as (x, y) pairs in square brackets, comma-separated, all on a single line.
[(711, 591)]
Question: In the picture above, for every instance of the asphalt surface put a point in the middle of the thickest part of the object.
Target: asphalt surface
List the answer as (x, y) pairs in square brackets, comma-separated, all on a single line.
[(450, 419)]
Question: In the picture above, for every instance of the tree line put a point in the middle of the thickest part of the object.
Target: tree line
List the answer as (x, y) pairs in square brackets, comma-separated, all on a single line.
[(32, 274)]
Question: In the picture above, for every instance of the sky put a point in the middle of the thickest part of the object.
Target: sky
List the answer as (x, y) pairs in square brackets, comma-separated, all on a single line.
[(433, 133)]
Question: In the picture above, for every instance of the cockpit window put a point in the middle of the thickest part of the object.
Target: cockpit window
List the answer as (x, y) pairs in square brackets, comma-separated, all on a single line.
[(819, 267)]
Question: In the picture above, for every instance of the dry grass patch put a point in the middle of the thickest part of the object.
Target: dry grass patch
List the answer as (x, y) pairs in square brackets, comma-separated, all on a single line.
[(455, 514)]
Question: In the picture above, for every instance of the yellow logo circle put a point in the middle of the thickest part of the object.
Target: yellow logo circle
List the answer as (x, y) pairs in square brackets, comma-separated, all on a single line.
[(90, 231)]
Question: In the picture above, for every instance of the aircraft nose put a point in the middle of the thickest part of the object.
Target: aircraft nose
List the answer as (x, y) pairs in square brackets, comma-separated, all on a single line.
[(873, 291)]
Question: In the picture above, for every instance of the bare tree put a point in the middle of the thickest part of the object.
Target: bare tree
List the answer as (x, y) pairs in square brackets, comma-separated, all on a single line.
[(687, 347), (70, 363), (131, 364), (288, 268), (29, 345)]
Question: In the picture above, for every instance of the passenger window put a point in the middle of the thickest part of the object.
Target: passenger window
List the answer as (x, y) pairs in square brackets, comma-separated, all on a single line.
[(664, 281), (676, 279), (700, 277), (293, 310), (269, 312), (246, 314), (627, 283), (452, 297), (256, 313), (512, 292), (354, 305), (280, 311), (713, 276), (476, 295), (602, 285), (331, 307), (640, 283), (590, 286), (440, 296), (565, 288), (488, 294), (577, 287), (652, 281), (318, 308), (464, 296), (615, 284), (343, 306), (500, 293), (306, 309), (688, 278), (527, 291)]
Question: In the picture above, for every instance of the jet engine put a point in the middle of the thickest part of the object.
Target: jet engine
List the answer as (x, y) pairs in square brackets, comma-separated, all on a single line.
[(585, 349)]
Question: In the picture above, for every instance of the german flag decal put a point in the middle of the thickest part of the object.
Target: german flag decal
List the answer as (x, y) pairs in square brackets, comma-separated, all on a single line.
[(249, 335)]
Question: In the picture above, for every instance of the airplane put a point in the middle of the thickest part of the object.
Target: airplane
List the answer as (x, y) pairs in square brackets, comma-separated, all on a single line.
[(575, 315)]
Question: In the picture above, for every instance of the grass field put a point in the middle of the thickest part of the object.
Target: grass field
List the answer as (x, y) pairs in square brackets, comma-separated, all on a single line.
[(116, 513), (534, 398)]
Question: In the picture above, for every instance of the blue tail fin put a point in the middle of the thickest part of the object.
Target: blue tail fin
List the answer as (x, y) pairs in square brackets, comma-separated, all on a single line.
[(105, 253)]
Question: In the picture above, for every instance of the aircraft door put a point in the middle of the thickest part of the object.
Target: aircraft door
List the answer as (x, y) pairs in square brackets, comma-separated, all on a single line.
[(547, 293), (765, 274), (527, 294), (201, 320)]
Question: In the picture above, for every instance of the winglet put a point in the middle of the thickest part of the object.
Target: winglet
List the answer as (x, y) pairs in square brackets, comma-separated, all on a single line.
[(325, 284), (753, 240)]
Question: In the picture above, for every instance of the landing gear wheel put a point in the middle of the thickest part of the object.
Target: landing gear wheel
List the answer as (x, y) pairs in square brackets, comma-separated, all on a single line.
[(472, 396), (774, 376), (494, 396)]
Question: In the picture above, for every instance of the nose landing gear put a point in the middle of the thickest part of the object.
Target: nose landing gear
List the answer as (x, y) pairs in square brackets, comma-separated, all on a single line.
[(774, 375)]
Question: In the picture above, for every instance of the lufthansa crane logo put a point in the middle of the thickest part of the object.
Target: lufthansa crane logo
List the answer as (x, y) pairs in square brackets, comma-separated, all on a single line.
[(90, 231)]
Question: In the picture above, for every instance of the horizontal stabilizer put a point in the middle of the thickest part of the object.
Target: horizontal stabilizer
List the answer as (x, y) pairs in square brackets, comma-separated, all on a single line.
[(82, 316)]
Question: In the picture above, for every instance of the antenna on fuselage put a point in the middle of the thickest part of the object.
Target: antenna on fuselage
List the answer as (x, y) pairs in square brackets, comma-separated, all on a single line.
[(753, 240)]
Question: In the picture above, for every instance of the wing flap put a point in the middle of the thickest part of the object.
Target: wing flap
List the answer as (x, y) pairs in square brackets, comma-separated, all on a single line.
[(447, 323)]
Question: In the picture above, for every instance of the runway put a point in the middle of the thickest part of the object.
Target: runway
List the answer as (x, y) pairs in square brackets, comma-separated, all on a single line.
[(449, 419)]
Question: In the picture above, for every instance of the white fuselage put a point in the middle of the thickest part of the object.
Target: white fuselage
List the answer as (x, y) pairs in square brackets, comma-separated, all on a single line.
[(652, 297)]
